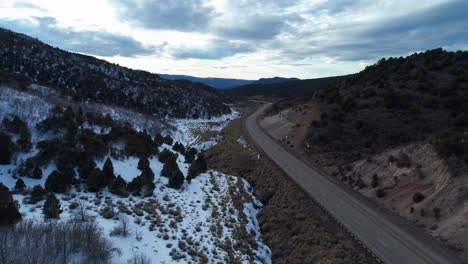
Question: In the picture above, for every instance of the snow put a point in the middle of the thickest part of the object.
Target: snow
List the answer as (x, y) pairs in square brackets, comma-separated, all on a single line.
[(202, 215), (186, 128)]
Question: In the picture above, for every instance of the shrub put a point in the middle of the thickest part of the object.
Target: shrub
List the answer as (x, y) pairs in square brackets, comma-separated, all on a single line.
[(52, 207), (418, 197), (37, 173), (37, 194), (375, 181), (107, 173), (436, 211), (143, 164), (118, 186), (19, 185), (176, 180), (9, 213), (403, 161), (57, 182), (197, 167), (6, 148), (93, 182), (55, 242), (380, 193)]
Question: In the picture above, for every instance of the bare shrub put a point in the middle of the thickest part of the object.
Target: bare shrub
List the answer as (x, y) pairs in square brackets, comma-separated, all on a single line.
[(122, 229), (139, 258), (31, 242)]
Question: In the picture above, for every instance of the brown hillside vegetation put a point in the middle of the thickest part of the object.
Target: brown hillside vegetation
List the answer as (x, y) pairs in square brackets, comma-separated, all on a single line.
[(395, 133), (294, 228)]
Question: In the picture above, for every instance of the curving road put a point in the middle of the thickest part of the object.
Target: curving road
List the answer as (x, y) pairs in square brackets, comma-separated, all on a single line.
[(387, 240)]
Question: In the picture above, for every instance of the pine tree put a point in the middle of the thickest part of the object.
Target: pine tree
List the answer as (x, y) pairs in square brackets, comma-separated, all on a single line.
[(143, 164), (56, 182), (9, 213), (94, 179), (19, 185), (51, 207), (197, 167), (169, 167), (176, 180), (107, 173), (168, 140), (147, 182), (6, 148), (37, 173), (118, 186), (37, 194), (86, 168)]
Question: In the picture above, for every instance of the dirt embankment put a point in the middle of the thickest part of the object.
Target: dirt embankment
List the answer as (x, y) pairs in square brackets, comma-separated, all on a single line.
[(294, 228)]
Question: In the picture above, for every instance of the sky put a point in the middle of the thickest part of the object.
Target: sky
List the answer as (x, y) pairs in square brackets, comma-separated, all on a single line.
[(247, 39)]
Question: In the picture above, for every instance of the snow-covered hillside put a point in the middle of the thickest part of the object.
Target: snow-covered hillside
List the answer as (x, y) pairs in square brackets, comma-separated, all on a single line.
[(212, 219)]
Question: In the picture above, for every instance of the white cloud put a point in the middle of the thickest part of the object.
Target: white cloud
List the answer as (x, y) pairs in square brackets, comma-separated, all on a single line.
[(251, 38)]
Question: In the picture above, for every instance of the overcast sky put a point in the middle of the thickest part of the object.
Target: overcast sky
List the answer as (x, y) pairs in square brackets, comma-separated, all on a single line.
[(242, 38)]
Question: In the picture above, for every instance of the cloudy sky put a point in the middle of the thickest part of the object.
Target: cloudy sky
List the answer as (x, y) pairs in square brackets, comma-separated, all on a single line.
[(242, 38)]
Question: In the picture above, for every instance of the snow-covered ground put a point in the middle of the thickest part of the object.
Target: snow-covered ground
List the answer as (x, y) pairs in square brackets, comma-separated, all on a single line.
[(189, 131), (207, 220)]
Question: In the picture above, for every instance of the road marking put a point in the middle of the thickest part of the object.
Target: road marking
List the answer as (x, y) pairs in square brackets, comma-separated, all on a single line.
[(359, 223)]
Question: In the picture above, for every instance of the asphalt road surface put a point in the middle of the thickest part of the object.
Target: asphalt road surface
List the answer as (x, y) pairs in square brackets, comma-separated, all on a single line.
[(387, 240)]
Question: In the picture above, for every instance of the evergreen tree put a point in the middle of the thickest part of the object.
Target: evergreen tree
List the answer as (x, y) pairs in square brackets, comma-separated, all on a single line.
[(37, 194), (19, 185), (176, 180), (179, 148), (94, 179), (143, 164), (6, 149), (37, 173), (118, 186), (147, 182), (52, 207), (190, 154), (86, 168), (9, 213), (158, 140), (168, 140), (169, 167), (166, 155), (107, 173), (197, 167), (56, 182)]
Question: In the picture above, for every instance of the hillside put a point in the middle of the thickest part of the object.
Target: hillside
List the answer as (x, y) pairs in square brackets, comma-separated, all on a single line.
[(396, 133), (85, 78), (293, 88), (225, 83), (100, 184)]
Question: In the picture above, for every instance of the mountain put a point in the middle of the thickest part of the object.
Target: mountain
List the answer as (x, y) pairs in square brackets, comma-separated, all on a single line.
[(218, 83), (269, 87), (224, 83), (86, 78), (275, 80)]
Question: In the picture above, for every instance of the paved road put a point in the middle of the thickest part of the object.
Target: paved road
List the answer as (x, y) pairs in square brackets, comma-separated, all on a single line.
[(389, 242)]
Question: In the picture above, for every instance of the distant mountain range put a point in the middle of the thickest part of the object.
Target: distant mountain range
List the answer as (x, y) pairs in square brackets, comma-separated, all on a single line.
[(224, 83)]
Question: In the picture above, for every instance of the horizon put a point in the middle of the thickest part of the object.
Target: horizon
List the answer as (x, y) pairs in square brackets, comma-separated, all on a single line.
[(248, 40)]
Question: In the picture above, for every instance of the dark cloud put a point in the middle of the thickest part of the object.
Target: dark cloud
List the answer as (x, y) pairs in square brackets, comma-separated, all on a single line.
[(180, 15), (425, 28), (91, 42), (216, 50), (253, 28)]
